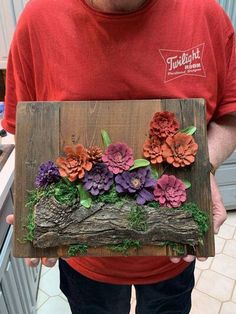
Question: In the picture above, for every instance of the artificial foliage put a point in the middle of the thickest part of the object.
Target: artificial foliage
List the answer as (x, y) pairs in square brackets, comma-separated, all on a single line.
[(111, 175)]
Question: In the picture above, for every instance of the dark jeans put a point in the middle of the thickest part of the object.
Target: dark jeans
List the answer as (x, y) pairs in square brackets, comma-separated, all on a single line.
[(87, 296)]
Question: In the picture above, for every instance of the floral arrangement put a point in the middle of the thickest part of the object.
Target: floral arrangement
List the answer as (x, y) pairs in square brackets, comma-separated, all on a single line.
[(89, 175), (96, 172)]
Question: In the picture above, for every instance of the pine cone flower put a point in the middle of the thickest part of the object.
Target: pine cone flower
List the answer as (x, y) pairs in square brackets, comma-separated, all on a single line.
[(95, 154), (170, 191), (180, 150), (98, 180), (118, 157), (48, 173), (163, 124), (76, 162), (152, 150), (138, 182)]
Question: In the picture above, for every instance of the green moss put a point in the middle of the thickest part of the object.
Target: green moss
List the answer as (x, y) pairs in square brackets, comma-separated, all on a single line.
[(77, 248), (137, 219), (154, 204), (125, 246), (65, 192), (30, 227), (111, 197), (200, 217), (178, 248)]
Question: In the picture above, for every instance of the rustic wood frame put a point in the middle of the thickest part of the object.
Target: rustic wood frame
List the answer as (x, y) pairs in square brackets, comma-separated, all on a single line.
[(43, 128)]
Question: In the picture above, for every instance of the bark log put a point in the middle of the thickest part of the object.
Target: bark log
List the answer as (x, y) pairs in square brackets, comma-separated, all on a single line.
[(106, 224)]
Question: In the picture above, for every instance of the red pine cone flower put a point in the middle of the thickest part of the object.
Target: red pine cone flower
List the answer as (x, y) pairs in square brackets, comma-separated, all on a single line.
[(152, 150), (163, 124), (95, 154), (76, 162), (170, 191), (180, 150)]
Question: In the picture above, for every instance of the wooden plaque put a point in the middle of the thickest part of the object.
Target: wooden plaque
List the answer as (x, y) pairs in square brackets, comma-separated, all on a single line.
[(44, 128)]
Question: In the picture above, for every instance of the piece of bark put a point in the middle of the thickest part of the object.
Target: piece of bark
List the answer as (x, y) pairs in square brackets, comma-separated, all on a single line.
[(107, 224)]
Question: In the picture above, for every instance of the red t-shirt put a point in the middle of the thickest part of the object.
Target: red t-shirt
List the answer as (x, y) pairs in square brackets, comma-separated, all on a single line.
[(65, 50)]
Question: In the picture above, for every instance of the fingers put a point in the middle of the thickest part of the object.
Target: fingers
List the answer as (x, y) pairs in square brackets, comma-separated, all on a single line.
[(32, 262), (187, 258), (10, 219), (219, 211), (175, 260), (49, 262), (201, 259)]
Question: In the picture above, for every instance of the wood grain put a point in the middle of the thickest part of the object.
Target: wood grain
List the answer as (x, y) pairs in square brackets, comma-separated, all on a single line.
[(44, 128)]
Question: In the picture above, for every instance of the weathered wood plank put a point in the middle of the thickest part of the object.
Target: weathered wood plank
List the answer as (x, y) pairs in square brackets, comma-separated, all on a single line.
[(50, 126), (37, 138)]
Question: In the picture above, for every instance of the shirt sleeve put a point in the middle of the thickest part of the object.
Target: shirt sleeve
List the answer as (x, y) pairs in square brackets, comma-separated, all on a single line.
[(19, 75), (227, 103)]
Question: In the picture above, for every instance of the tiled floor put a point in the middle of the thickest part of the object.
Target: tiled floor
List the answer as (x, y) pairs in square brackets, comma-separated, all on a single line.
[(215, 289)]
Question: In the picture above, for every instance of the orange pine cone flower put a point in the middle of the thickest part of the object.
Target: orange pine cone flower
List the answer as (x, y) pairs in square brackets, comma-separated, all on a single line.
[(75, 163), (95, 154), (152, 150), (163, 124), (180, 150)]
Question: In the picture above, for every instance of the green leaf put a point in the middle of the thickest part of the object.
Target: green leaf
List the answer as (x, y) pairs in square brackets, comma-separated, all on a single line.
[(189, 130), (105, 138), (154, 172), (85, 199), (138, 163), (186, 183)]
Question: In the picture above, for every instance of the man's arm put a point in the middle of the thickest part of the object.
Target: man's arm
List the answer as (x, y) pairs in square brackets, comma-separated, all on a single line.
[(221, 144), (222, 139)]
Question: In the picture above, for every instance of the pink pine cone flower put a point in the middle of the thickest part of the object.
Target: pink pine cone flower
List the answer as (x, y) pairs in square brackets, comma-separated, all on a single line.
[(170, 191), (118, 157)]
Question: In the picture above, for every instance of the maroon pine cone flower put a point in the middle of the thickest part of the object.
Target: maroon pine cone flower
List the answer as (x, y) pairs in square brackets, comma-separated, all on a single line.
[(152, 150), (170, 192), (163, 124), (76, 162), (180, 150), (95, 154), (118, 157)]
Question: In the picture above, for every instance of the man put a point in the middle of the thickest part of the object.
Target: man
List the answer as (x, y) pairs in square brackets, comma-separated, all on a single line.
[(128, 49)]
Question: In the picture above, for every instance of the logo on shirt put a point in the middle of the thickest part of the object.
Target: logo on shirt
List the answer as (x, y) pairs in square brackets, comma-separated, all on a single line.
[(179, 63)]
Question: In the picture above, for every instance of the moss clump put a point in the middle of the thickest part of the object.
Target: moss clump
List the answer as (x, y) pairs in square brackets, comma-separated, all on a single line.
[(65, 192), (30, 227), (200, 217), (111, 197), (178, 248), (77, 248), (154, 204), (125, 246), (137, 219)]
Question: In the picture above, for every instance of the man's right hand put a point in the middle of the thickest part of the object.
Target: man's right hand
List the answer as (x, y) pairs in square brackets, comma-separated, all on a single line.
[(33, 262)]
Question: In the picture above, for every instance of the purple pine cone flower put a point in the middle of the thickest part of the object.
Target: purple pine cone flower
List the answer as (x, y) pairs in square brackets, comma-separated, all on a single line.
[(170, 191), (48, 173), (137, 182), (98, 180), (118, 157)]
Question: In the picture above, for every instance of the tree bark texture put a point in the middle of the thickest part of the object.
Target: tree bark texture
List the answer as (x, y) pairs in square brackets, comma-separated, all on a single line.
[(107, 224)]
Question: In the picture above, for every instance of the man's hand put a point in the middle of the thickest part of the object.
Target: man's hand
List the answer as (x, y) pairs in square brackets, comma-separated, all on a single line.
[(219, 217), (219, 211), (33, 262)]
